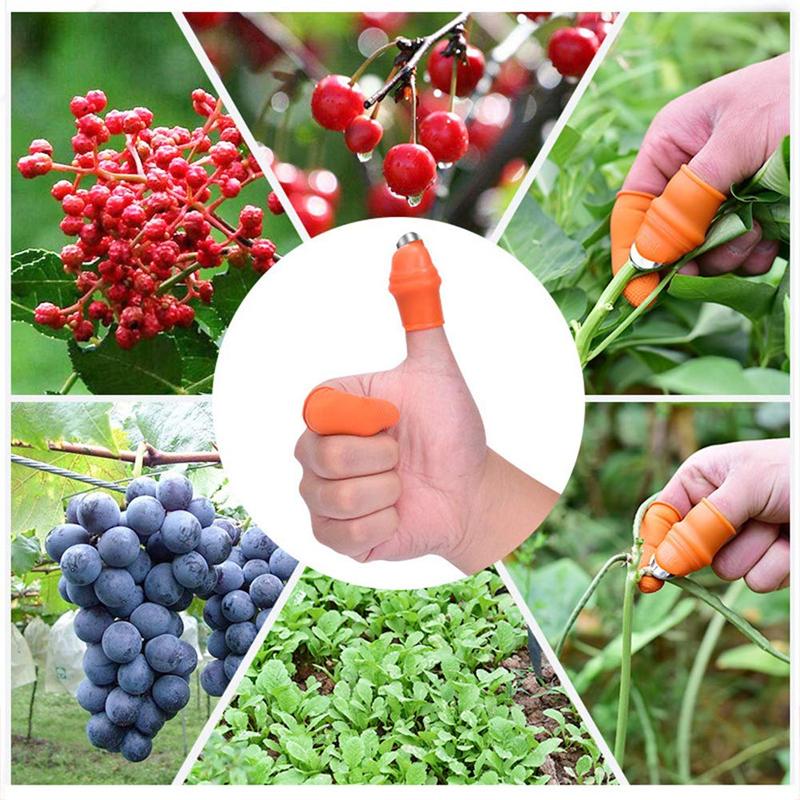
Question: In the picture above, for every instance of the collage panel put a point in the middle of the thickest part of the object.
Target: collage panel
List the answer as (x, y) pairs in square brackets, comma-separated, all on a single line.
[(715, 319), (661, 665), (138, 584), (123, 184), (436, 686), (428, 416), (352, 138)]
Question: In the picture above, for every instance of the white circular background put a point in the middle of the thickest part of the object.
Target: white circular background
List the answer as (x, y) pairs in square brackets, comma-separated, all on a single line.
[(325, 311)]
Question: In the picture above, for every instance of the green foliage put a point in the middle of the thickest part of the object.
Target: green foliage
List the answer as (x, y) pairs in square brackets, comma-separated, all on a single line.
[(98, 57), (629, 452), (560, 231), (358, 686)]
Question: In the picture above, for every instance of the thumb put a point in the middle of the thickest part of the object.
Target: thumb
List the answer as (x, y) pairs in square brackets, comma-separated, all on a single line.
[(328, 411)]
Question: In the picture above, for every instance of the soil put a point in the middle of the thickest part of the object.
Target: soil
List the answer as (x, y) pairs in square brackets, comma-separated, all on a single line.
[(535, 696)]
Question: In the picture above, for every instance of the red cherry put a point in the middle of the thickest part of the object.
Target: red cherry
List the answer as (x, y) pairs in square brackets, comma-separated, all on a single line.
[(315, 212), (335, 102), (440, 69), (382, 203), (600, 29), (585, 19), (325, 184), (571, 50), (445, 135), (292, 179), (387, 21), (363, 134), (536, 16), (201, 20), (409, 169)]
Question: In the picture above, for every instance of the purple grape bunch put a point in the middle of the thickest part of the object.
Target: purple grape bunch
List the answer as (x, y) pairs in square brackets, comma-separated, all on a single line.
[(131, 572)]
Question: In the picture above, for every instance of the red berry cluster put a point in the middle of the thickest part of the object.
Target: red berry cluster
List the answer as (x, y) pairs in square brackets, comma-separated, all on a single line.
[(144, 215), (338, 104), (314, 195), (572, 49)]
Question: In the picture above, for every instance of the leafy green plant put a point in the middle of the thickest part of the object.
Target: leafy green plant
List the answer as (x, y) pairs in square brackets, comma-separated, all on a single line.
[(657, 671), (724, 334), (356, 686)]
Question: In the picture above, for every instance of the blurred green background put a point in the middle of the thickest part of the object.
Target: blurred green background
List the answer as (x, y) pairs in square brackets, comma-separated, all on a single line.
[(138, 60), (629, 452)]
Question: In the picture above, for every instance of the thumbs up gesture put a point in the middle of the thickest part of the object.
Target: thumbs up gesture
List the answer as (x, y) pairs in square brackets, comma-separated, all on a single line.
[(396, 464)]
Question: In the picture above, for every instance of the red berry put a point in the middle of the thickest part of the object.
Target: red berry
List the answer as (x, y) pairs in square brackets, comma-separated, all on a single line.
[(35, 164), (231, 187), (61, 189), (49, 314), (263, 249), (40, 146), (382, 203), (315, 212), (363, 134), (98, 309), (335, 103), (83, 331), (274, 204), (79, 106), (600, 29), (185, 315), (409, 169), (73, 205), (324, 183), (537, 16), (96, 98), (202, 20), (251, 219), (223, 153), (71, 256), (445, 135), (440, 69), (571, 50), (126, 337), (292, 179)]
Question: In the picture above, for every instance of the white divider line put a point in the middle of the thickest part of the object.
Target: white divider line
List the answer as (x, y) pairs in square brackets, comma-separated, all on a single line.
[(552, 138), (244, 129), (225, 700), (563, 678)]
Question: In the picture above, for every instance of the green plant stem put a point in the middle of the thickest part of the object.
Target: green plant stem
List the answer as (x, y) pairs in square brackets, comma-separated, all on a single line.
[(650, 738), (634, 315), (69, 383), (738, 622), (177, 278), (623, 703), (370, 58), (584, 599), (604, 304), (689, 701), (29, 733), (743, 756)]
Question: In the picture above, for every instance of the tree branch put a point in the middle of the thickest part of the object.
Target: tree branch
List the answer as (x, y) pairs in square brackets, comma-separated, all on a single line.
[(152, 457)]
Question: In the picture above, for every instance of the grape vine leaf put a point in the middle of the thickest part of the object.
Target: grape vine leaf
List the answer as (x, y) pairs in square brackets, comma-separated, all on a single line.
[(25, 552), (37, 423), (170, 427), (38, 276)]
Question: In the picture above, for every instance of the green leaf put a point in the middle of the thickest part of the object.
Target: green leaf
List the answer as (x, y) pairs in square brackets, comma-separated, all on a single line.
[(25, 553), (171, 363), (718, 375), (38, 276), (752, 658), (567, 141), (542, 246), (170, 427), (562, 578), (748, 296), (572, 302), (773, 175), (40, 423)]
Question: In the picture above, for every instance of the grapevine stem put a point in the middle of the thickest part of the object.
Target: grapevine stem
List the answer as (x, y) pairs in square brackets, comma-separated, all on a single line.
[(152, 457)]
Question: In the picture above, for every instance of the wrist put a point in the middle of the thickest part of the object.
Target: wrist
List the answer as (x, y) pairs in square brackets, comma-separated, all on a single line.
[(508, 507)]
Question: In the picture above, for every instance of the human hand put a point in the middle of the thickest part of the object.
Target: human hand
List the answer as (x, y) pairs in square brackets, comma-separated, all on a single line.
[(748, 482), (427, 484), (725, 130)]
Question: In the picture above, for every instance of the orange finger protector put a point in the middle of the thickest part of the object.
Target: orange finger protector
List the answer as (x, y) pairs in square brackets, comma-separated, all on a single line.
[(329, 411), (678, 219), (626, 219), (414, 282), (692, 543), (657, 521)]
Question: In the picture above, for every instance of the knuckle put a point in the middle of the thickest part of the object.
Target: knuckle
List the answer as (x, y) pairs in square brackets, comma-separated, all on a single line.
[(331, 458), (341, 498)]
